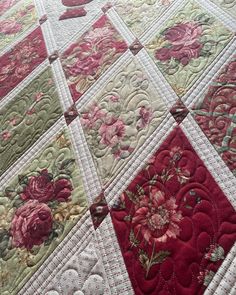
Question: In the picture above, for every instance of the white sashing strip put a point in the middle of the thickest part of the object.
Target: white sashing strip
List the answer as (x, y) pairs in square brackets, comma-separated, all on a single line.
[(27, 157), (48, 37), (112, 259), (224, 280), (15, 91), (201, 87), (213, 9), (39, 8), (120, 26), (205, 150), (61, 83), (102, 80), (157, 79), (139, 159), (91, 181), (74, 242)]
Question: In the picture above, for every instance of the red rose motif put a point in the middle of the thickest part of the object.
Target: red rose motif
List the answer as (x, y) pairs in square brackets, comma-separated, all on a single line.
[(111, 131), (184, 43), (156, 217), (62, 190), (43, 189), (31, 224), (39, 188), (9, 27)]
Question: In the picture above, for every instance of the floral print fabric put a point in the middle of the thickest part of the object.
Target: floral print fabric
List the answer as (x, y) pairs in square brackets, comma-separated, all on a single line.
[(186, 45), (170, 224), (84, 61)]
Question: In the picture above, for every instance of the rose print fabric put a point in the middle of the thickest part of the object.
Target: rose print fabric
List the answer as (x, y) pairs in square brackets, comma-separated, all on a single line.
[(117, 147), (169, 223)]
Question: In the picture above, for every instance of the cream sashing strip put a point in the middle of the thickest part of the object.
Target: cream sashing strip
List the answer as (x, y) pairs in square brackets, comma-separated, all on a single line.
[(217, 12), (215, 165), (112, 259), (48, 37), (92, 183), (224, 280), (157, 79), (74, 242), (24, 83), (202, 85), (138, 160), (101, 81), (61, 83), (31, 152), (120, 26)]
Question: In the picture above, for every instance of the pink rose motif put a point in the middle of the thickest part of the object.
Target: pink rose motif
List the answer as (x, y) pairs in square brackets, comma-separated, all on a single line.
[(89, 119), (145, 117), (31, 224), (156, 217), (26, 53), (21, 70), (111, 131), (6, 135), (184, 43), (43, 189), (9, 26), (38, 96)]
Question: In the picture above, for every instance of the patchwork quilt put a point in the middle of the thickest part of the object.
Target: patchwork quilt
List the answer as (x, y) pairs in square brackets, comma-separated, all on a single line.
[(117, 147)]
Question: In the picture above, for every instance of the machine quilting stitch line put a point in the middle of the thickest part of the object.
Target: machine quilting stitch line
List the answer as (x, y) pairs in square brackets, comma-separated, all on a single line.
[(98, 85), (209, 74), (135, 164), (222, 272), (225, 18), (77, 132), (76, 239), (26, 81), (191, 129), (159, 81), (83, 30), (120, 25), (21, 162)]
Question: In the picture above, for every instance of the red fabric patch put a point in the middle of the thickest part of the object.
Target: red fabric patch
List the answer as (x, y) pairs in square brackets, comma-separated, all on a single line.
[(21, 60), (75, 2), (72, 13), (173, 223)]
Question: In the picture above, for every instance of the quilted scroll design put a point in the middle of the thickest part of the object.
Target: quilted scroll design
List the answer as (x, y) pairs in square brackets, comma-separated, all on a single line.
[(120, 118), (25, 118), (170, 224), (215, 113)]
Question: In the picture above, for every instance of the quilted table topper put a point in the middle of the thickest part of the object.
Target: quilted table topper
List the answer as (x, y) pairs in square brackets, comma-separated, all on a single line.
[(117, 147)]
